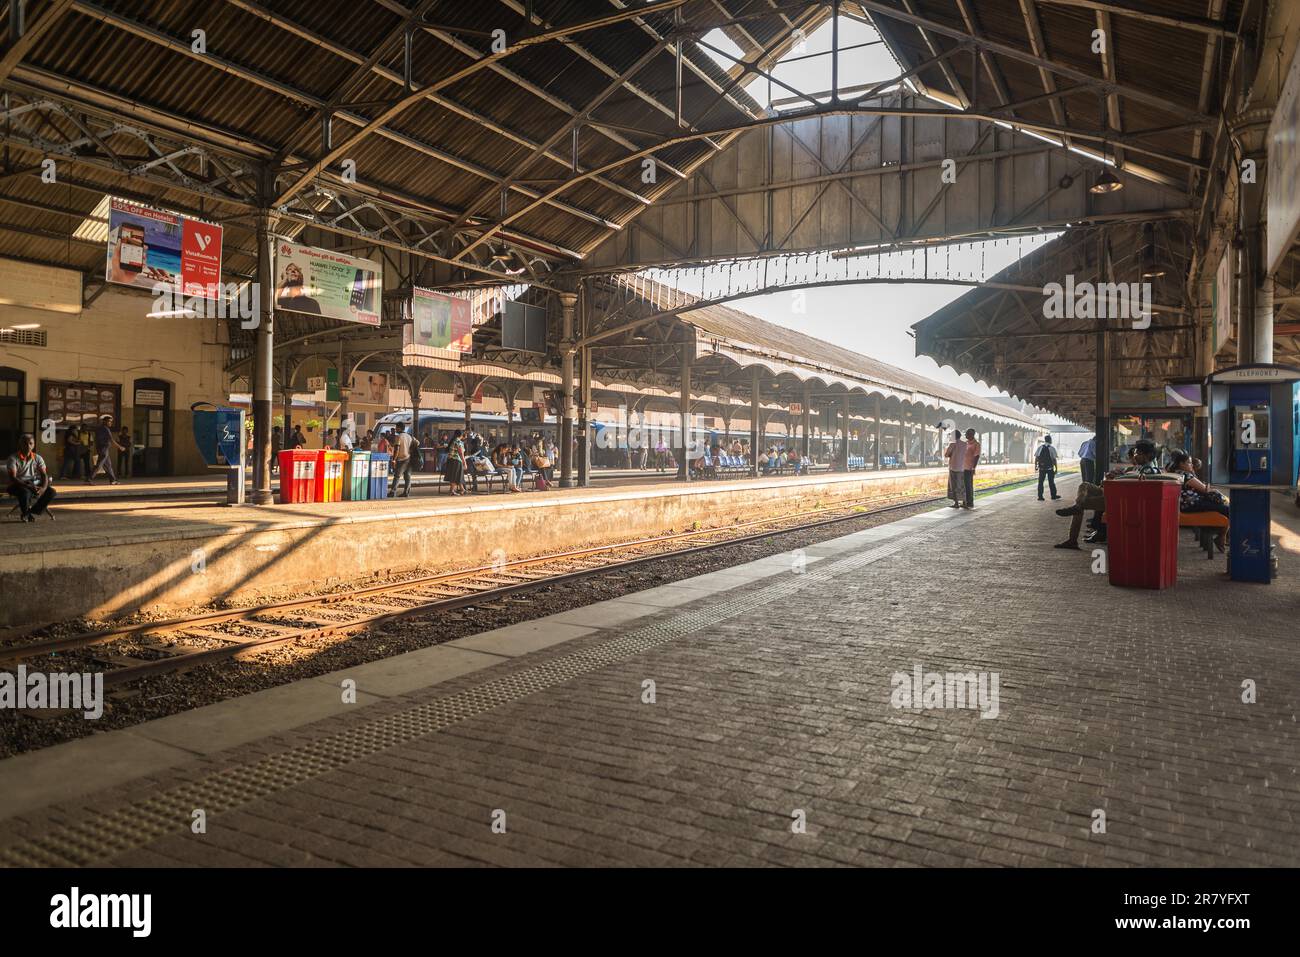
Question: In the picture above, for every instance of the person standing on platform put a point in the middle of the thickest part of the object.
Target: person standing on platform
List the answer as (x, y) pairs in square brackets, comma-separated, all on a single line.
[(473, 447), (1088, 470), (1088, 460), (401, 469), (346, 442), (28, 480), (73, 455), (105, 446), (277, 446), (1045, 461), (454, 472), (968, 473), (955, 453), (298, 440), (126, 446)]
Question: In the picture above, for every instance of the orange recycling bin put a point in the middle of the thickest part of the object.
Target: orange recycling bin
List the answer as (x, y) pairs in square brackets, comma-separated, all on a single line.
[(1142, 532), (329, 475), (297, 476)]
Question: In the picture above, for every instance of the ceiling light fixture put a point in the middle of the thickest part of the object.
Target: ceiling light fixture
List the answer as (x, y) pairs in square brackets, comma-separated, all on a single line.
[(1107, 182)]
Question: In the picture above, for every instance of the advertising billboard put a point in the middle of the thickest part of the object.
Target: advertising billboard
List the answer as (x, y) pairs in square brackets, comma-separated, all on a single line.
[(440, 321), (1222, 300), (321, 282), (147, 246), (1283, 180)]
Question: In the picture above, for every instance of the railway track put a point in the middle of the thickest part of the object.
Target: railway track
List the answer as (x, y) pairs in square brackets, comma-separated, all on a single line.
[(179, 644)]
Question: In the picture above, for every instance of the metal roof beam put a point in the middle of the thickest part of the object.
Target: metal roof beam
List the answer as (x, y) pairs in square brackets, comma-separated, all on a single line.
[(180, 181), (23, 43), (1213, 27), (401, 105), (146, 32), (289, 26), (832, 109), (507, 181), (1062, 69), (687, 62), (949, 74)]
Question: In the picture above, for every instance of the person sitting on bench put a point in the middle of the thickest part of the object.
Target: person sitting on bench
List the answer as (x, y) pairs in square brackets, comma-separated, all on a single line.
[(1091, 498), (1196, 496), (29, 480)]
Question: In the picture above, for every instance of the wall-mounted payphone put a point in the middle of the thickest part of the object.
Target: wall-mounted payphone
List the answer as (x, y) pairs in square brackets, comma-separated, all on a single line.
[(1250, 445), (1254, 451)]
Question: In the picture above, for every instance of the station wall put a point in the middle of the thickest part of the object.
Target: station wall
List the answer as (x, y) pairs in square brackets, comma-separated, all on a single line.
[(146, 371)]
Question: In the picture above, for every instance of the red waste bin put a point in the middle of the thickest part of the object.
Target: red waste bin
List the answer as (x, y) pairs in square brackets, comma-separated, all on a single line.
[(297, 476), (1142, 531)]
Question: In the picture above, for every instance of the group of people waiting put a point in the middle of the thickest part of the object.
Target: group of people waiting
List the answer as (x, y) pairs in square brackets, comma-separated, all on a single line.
[(776, 457), (468, 455), (963, 455), (89, 452), (1144, 459)]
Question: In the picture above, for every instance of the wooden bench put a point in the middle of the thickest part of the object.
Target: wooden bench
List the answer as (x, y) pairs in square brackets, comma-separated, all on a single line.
[(1207, 526)]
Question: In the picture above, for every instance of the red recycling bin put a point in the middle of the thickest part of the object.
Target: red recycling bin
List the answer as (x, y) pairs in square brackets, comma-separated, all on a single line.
[(297, 476), (1142, 531)]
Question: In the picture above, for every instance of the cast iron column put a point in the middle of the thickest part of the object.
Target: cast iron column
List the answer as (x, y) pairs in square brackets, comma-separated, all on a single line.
[(567, 302), (262, 377)]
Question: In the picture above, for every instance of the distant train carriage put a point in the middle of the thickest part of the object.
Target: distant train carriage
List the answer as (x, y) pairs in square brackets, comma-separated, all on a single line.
[(609, 440)]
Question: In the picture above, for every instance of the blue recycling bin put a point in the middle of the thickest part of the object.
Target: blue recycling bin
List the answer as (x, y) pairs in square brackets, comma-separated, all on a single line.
[(379, 474)]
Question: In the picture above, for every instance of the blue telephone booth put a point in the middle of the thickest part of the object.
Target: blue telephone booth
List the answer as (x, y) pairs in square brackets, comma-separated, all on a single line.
[(1254, 451)]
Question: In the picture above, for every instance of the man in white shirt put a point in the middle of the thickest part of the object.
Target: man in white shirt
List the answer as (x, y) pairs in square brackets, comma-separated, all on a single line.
[(955, 453), (346, 441), (29, 480)]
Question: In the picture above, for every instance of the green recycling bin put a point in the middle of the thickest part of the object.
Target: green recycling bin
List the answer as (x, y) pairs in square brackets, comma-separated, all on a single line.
[(356, 477)]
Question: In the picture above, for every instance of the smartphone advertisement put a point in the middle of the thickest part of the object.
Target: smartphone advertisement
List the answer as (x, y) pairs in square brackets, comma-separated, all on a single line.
[(147, 246), (320, 282), (441, 321)]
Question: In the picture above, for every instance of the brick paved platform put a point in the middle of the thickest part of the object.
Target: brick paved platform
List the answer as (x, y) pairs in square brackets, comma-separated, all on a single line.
[(773, 688)]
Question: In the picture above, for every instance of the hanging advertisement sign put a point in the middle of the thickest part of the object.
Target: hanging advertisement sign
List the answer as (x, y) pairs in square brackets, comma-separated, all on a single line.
[(1223, 300), (147, 246), (1283, 179), (320, 282), (441, 321)]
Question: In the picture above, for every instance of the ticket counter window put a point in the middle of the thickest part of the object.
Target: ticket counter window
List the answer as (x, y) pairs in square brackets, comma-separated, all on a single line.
[(1168, 432)]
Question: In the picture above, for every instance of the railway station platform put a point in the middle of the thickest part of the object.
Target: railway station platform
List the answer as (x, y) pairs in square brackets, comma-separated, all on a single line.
[(1110, 728), (101, 561), (170, 489)]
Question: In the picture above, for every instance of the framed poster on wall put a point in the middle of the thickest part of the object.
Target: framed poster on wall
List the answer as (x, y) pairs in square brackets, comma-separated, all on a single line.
[(79, 403)]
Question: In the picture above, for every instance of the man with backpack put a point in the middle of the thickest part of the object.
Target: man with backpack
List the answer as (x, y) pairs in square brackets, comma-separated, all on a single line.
[(1045, 460)]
